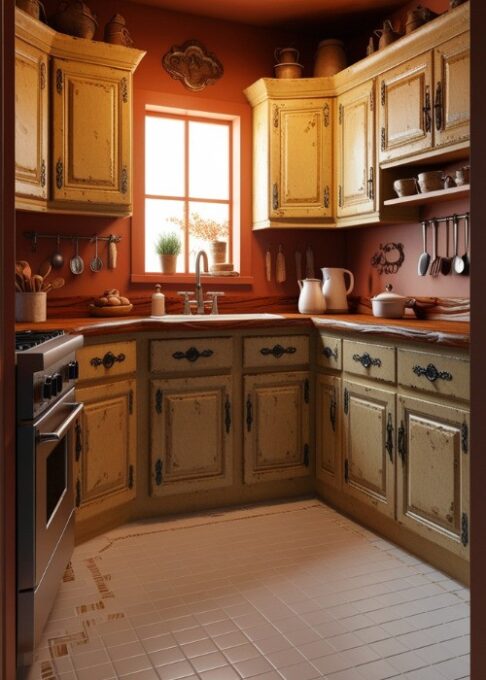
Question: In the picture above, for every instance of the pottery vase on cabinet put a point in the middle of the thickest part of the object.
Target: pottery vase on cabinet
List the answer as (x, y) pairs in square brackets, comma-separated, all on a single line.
[(330, 58), (287, 63), (116, 32), (311, 298), (334, 288), (387, 34), (75, 18)]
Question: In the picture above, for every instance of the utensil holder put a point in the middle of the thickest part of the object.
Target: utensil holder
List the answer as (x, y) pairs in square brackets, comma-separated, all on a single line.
[(30, 307)]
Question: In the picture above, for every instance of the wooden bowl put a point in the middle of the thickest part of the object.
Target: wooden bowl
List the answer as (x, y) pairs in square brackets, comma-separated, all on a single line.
[(109, 310)]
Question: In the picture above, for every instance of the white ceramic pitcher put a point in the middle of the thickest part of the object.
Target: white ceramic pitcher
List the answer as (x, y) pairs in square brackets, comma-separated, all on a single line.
[(311, 298), (334, 288)]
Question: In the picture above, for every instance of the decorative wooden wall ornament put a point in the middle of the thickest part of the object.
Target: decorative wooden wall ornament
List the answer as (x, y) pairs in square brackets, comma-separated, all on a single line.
[(389, 258), (193, 65)]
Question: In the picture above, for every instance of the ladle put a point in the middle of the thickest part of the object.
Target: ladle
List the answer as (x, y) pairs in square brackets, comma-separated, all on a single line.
[(76, 264), (424, 259), (57, 260), (96, 263), (457, 261)]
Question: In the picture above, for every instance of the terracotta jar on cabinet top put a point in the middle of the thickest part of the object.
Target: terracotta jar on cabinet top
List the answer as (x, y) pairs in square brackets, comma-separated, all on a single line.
[(330, 58)]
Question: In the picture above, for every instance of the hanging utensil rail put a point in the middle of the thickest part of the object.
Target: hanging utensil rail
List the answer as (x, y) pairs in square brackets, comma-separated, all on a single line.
[(448, 217), (35, 235)]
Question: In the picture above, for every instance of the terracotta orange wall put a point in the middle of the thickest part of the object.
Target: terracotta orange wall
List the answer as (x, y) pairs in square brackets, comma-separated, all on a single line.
[(247, 54)]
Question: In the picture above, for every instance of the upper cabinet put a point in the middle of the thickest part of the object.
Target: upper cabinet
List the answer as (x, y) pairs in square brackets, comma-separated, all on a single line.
[(83, 162)]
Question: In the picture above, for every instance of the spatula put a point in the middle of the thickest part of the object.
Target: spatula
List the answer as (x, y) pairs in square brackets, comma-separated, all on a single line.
[(424, 259), (436, 261)]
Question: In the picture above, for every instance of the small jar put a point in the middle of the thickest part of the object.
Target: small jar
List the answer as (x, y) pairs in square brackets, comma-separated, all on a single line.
[(158, 302)]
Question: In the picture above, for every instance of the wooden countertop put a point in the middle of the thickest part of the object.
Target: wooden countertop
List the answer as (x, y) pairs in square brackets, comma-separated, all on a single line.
[(447, 333)]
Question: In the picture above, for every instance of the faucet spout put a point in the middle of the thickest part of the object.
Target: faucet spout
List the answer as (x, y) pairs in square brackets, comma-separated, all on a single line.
[(199, 291)]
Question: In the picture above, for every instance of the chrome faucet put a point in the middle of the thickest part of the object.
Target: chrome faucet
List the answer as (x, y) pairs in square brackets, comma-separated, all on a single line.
[(199, 291)]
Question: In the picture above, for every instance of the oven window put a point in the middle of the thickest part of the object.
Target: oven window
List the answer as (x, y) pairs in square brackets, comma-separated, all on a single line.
[(56, 478)]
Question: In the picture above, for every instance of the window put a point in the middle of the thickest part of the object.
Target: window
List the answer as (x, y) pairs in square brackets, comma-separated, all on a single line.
[(188, 184)]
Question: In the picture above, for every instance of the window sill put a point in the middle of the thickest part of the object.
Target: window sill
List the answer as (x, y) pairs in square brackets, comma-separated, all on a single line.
[(190, 279)]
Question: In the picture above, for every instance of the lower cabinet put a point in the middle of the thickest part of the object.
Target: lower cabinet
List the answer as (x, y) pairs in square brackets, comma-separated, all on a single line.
[(105, 447), (433, 475), (191, 434), (369, 433), (328, 430), (276, 426)]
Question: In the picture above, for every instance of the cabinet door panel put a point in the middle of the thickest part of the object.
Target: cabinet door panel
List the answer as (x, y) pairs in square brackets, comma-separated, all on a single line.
[(91, 157), (433, 476), (328, 430), (369, 445), (452, 90), (31, 121), (276, 444), (191, 434), (106, 468)]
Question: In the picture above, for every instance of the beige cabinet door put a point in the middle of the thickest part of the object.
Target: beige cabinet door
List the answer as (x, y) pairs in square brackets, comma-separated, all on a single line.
[(106, 447), (355, 158), (405, 111), (433, 475), (276, 426), (452, 91), (369, 445), (328, 430), (191, 434), (91, 157), (31, 121), (301, 159)]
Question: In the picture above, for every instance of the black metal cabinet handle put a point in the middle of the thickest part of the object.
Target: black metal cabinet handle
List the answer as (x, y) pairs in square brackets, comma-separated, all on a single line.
[(277, 351), (333, 410), (426, 110), (346, 401), (227, 415), (438, 106), (78, 447), (158, 472), (193, 354), (402, 451), (366, 360), (432, 373), (330, 352), (158, 401), (108, 360), (249, 414), (389, 437)]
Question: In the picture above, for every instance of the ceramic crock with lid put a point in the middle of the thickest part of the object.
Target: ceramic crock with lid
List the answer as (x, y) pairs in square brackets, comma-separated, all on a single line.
[(390, 305)]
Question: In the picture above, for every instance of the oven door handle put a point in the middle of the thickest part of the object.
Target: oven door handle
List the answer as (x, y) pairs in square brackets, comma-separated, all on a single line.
[(66, 424)]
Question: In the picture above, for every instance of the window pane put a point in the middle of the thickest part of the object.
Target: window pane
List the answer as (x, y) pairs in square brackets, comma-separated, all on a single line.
[(164, 156), (208, 222), (158, 220), (208, 160)]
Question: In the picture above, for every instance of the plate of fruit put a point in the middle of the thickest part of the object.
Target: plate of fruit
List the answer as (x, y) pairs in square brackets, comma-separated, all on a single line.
[(111, 303)]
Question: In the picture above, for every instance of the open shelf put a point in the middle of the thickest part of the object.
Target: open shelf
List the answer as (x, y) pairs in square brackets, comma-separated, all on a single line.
[(451, 194)]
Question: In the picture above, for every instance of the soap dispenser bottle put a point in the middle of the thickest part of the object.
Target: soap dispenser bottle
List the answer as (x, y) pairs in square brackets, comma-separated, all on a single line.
[(158, 302)]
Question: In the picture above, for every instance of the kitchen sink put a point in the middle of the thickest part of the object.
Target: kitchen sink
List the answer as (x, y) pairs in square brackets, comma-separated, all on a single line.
[(174, 318)]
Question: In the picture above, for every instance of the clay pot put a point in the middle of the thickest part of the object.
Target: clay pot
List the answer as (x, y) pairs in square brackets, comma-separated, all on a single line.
[(32, 7), (116, 32), (217, 252), (330, 58), (74, 18), (386, 34), (168, 264), (405, 187), (288, 70), (433, 180), (418, 17), (286, 55)]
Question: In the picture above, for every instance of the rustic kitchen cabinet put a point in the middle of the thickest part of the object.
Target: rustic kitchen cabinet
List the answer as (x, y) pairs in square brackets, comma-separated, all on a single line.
[(328, 415), (276, 426), (83, 162), (292, 155), (433, 471)]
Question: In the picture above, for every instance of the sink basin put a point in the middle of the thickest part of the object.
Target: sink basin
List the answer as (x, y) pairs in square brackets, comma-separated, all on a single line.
[(174, 318)]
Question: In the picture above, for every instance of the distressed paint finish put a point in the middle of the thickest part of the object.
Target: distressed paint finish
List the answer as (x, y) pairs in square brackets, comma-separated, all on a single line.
[(433, 475), (452, 69), (88, 371), (371, 472), (384, 358), (329, 430), (274, 441), (189, 434), (456, 366), (162, 354), (295, 351)]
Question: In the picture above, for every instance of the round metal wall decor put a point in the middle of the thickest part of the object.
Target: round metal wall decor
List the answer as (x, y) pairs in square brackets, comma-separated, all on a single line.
[(193, 65), (389, 258)]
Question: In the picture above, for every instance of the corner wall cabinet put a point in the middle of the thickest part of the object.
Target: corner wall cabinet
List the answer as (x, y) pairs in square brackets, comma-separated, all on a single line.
[(83, 163)]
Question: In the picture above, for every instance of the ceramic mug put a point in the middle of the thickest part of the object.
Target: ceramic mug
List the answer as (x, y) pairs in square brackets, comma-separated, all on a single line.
[(406, 187)]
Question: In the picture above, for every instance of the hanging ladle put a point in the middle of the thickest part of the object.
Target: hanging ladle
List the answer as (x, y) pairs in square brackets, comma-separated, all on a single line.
[(96, 263), (76, 264), (457, 261), (57, 260)]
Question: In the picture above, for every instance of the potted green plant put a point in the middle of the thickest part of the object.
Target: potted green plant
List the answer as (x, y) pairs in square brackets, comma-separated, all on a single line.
[(168, 246)]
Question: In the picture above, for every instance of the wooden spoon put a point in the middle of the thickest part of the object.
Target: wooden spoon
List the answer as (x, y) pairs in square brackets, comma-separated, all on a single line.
[(45, 269), (19, 282), (25, 267), (53, 285), (37, 283)]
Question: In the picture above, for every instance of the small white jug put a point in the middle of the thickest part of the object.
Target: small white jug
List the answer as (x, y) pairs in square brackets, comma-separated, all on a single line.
[(334, 288), (311, 299)]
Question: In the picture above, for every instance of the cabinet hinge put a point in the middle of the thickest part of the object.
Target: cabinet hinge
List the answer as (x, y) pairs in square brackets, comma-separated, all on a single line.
[(326, 115), (42, 75), (158, 471), (227, 415), (130, 476), (124, 180), (389, 437), (306, 390), (275, 116), (383, 93), (438, 107), (371, 184), (464, 529), (401, 442), (372, 99), (327, 194), (158, 401), (59, 81), (43, 174), (77, 499), (306, 455), (130, 402), (346, 401), (341, 114), (59, 174), (249, 413), (340, 196), (78, 446), (346, 470), (124, 90), (464, 438), (275, 196), (383, 139)]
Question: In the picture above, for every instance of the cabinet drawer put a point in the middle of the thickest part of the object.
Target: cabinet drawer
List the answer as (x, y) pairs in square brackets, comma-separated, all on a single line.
[(183, 355), (436, 373), (329, 352), (369, 360), (276, 350), (107, 360)]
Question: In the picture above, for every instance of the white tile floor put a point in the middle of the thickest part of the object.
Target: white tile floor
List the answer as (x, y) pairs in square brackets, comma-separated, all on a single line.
[(290, 591)]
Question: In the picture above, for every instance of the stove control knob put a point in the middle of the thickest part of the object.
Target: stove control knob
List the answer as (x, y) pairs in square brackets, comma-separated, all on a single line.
[(73, 370), (57, 383), (47, 388)]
